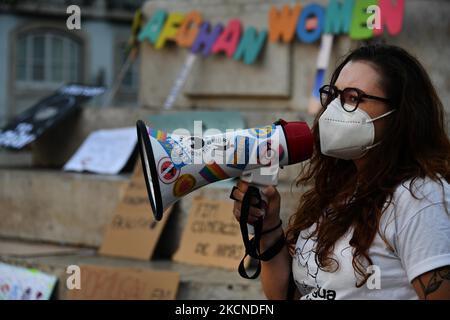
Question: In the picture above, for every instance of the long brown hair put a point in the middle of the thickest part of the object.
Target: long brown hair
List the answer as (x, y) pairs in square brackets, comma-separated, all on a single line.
[(415, 145)]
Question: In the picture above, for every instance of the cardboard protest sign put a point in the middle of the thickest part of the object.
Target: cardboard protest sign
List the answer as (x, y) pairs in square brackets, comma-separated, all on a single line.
[(133, 233), (212, 236), (33, 122), (104, 151), (18, 283), (107, 283)]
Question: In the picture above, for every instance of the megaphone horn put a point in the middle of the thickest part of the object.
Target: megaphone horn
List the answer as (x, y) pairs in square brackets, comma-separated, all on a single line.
[(175, 165)]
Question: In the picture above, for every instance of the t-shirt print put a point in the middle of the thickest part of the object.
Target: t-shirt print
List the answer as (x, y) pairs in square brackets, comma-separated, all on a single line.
[(304, 257)]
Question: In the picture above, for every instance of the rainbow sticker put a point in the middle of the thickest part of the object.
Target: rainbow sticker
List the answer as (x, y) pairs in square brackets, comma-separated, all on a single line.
[(213, 172), (262, 132), (157, 134), (184, 184)]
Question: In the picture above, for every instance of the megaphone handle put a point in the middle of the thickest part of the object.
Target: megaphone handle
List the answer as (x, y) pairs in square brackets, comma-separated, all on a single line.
[(261, 205)]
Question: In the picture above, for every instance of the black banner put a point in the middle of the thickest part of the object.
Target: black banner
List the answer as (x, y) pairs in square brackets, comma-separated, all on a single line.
[(33, 122)]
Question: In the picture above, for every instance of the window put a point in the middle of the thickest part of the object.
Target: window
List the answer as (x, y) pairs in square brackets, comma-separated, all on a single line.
[(47, 57)]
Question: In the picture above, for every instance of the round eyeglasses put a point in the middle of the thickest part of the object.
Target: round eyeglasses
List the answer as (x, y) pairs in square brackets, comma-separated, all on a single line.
[(350, 97)]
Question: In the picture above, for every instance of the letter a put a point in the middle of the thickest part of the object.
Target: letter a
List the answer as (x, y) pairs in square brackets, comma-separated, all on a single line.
[(74, 280), (374, 21), (374, 280), (74, 20)]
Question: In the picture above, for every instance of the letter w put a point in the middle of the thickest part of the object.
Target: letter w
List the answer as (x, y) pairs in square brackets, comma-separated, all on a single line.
[(282, 23)]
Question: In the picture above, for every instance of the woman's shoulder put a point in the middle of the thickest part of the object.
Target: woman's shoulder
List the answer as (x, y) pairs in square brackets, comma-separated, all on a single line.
[(419, 198), (422, 192)]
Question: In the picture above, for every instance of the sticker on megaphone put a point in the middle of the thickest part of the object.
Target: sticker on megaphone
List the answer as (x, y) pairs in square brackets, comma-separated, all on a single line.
[(175, 165)]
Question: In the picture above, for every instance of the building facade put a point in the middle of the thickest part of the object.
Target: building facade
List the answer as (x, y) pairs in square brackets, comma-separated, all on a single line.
[(38, 53)]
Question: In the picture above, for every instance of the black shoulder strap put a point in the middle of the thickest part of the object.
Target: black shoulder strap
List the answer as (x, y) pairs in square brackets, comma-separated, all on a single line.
[(252, 246)]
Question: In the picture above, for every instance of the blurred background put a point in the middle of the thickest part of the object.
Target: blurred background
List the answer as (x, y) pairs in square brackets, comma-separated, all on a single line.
[(51, 218)]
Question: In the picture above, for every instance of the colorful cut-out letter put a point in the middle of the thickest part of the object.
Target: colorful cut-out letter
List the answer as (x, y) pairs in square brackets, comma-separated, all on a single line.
[(188, 30), (391, 16), (339, 16), (153, 27), (251, 45), (282, 23), (311, 10), (229, 39), (359, 29), (170, 29), (206, 38)]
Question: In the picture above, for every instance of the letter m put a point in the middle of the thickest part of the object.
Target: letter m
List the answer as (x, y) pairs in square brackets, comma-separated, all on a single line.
[(339, 16)]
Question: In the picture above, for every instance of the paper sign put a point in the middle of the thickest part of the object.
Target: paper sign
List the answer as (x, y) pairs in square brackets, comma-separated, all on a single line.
[(106, 283), (212, 236), (104, 151), (18, 283), (133, 232)]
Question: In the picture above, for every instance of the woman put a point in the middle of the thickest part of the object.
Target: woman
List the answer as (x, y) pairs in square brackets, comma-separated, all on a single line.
[(374, 222)]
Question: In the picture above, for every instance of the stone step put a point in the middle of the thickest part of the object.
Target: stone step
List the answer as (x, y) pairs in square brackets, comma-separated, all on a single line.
[(196, 282), (56, 206), (73, 208)]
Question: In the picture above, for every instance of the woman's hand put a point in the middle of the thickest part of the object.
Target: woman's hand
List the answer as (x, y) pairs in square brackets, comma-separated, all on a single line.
[(275, 272), (271, 214)]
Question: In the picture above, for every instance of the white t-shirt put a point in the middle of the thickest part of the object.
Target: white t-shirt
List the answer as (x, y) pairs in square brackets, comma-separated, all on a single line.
[(417, 229)]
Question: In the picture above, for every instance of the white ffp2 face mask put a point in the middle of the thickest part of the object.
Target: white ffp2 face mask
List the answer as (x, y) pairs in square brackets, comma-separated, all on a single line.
[(346, 135)]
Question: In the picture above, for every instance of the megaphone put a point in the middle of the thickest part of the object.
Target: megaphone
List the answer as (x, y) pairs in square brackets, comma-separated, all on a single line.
[(175, 165)]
